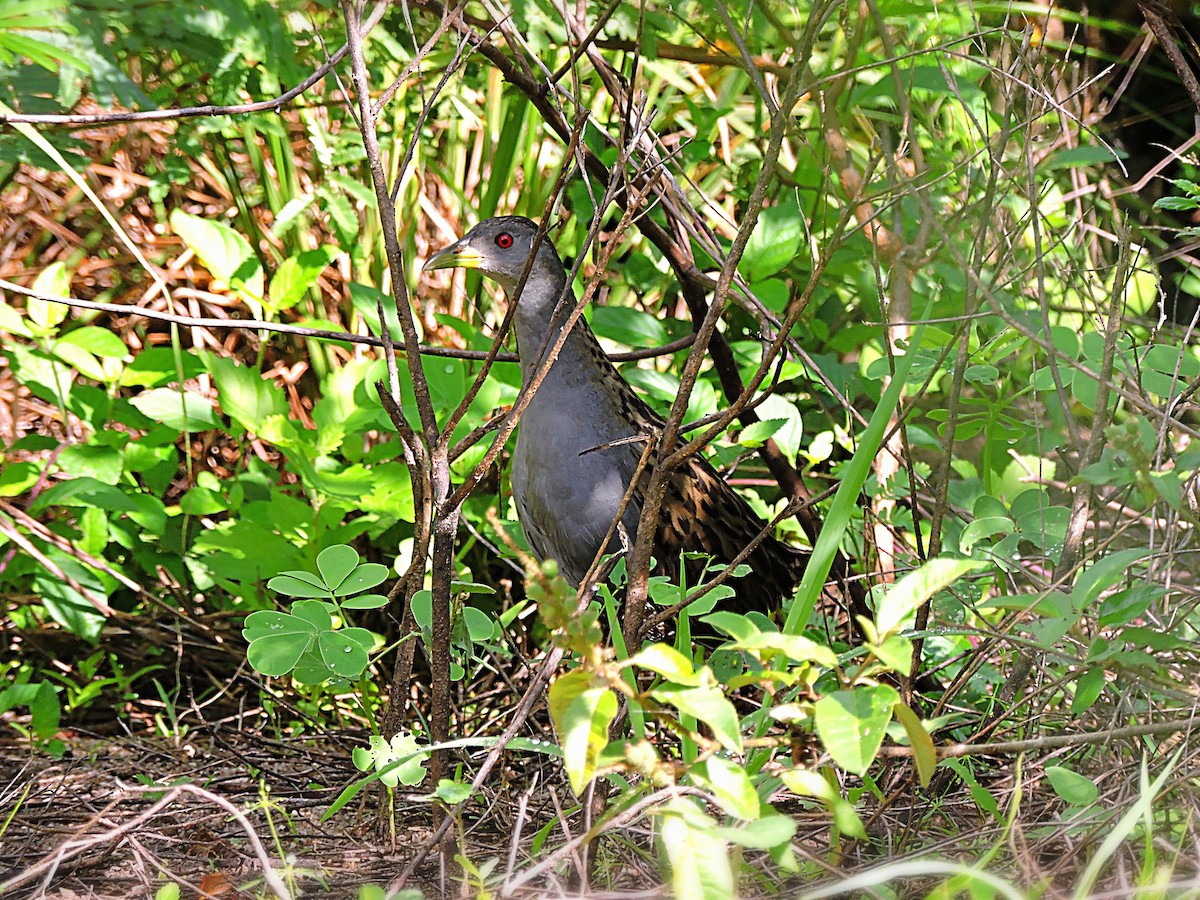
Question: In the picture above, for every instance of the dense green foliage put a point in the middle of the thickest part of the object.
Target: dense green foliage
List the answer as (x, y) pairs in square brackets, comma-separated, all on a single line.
[(947, 318)]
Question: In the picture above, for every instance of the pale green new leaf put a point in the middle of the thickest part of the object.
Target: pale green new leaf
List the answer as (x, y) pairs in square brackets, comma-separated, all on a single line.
[(915, 589), (582, 711), (852, 724)]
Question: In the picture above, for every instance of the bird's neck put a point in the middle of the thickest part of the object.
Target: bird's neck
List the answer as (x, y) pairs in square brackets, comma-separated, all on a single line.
[(538, 330)]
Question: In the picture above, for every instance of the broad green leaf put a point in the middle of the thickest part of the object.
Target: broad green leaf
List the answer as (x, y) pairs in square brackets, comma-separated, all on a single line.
[(298, 584), (245, 396), (667, 662), (895, 652), (269, 622), (699, 859), (402, 757), (914, 590), (296, 275), (365, 575), (767, 833), (276, 655), (775, 241), (181, 410), (45, 711), (1128, 604), (709, 705), (756, 433), (1087, 688), (733, 624), (1109, 571), (52, 281), (98, 341), (453, 792), (988, 526), (852, 724), (794, 646), (480, 626), (361, 636), (1071, 786), (365, 601), (314, 611), (807, 783), (731, 787), (223, 252), (582, 711)]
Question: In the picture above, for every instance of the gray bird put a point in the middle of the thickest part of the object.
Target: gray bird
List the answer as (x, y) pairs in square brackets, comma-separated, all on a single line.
[(581, 437)]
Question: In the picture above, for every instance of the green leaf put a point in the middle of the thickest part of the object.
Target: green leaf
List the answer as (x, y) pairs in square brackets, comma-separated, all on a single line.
[(852, 724), (52, 281), (1128, 604), (364, 576), (245, 396), (914, 590), (895, 652), (582, 711), (698, 857), (794, 646), (402, 758), (756, 433), (736, 625), (98, 341), (731, 787), (268, 623), (298, 584), (924, 753), (480, 626), (344, 656), (1071, 786), (709, 705), (223, 252), (296, 275), (986, 526), (314, 611), (667, 662), (775, 241), (180, 410), (807, 783), (453, 792), (365, 601), (767, 833), (1104, 574), (45, 711), (1087, 688), (335, 563), (276, 655)]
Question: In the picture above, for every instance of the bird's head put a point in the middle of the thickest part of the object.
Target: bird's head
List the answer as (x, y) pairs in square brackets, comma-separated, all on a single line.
[(499, 249)]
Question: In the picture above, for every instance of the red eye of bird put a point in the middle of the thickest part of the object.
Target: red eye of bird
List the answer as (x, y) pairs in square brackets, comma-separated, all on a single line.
[(504, 240)]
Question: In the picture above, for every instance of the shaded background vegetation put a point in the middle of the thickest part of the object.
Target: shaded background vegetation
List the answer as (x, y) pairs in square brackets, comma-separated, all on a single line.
[(1020, 183)]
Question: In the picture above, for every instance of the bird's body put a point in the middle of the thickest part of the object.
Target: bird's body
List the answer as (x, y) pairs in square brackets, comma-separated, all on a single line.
[(584, 431)]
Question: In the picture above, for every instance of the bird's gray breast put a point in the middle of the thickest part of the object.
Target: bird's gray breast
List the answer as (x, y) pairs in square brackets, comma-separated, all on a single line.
[(566, 483)]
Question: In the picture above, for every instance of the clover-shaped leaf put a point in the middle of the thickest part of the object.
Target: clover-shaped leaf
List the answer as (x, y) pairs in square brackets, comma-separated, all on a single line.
[(364, 576), (277, 654), (335, 563), (343, 655), (365, 601), (314, 611), (298, 584)]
